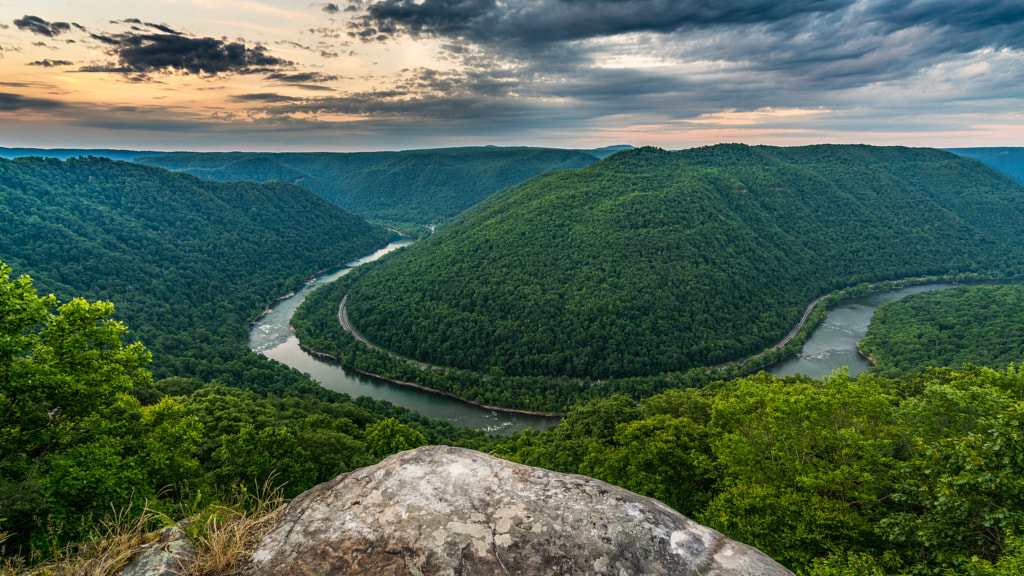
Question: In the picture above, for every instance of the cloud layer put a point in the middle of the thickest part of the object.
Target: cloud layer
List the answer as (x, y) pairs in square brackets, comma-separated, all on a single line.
[(511, 70)]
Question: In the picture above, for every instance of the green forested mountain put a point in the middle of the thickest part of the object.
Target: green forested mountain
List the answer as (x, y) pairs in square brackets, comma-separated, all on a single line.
[(982, 325), (651, 262), (188, 263), (1008, 160), (416, 187)]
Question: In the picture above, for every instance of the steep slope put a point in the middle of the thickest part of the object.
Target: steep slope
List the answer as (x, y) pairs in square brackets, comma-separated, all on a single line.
[(650, 261), (418, 187), (187, 263)]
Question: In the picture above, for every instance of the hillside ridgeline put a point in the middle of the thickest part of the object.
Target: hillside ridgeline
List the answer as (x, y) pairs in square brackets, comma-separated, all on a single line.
[(398, 188)]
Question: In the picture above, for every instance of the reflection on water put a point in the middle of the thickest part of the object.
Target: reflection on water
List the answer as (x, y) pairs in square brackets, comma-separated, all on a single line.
[(833, 344), (272, 337)]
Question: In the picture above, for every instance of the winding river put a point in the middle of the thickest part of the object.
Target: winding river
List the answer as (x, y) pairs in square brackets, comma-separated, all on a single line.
[(833, 344), (272, 336)]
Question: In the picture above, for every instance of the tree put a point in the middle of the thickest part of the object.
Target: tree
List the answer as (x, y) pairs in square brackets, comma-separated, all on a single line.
[(58, 372), (389, 436)]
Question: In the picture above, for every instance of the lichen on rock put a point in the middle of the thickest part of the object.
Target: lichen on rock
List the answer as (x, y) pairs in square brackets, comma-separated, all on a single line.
[(439, 510)]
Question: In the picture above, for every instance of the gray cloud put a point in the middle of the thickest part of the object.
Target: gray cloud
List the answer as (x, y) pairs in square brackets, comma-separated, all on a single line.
[(262, 97), (548, 21), (47, 63), (37, 25), (301, 77), (13, 102), (159, 27), (707, 55), (148, 53), (331, 8)]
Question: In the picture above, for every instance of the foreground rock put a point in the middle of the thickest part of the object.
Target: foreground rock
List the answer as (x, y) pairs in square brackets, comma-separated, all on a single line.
[(441, 510)]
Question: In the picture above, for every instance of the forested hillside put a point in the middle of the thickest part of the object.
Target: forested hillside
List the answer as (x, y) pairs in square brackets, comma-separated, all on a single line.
[(404, 189), (982, 325), (188, 263), (653, 262), (1008, 160), (91, 443)]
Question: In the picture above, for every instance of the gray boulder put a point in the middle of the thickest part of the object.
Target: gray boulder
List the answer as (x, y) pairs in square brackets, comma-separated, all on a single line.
[(439, 510), (170, 555)]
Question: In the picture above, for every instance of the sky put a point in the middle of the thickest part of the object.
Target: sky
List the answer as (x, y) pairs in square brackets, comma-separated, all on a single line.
[(355, 75)]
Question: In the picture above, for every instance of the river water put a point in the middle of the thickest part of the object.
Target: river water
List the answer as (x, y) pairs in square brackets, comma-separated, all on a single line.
[(272, 337), (833, 344)]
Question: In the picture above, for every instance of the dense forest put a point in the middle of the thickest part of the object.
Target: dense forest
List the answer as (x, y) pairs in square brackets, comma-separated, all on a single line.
[(982, 325), (1008, 160), (833, 477), (89, 438), (651, 262), (401, 189), (90, 424), (188, 263)]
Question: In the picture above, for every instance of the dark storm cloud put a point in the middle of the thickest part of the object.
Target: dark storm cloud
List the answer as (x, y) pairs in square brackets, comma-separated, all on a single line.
[(47, 63), (759, 52), (331, 8), (859, 37), (13, 102), (37, 25), (547, 21), (148, 53)]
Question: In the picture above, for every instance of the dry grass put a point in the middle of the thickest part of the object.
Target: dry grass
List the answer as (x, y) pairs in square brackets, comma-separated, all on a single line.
[(229, 535), (122, 534), (223, 536)]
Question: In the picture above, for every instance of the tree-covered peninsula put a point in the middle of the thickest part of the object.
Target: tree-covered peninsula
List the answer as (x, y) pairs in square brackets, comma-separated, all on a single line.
[(402, 189), (653, 262), (982, 325)]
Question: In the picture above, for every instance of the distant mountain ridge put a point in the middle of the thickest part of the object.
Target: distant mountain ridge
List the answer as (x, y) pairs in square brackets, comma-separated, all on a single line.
[(1008, 160), (652, 261), (65, 153), (399, 188)]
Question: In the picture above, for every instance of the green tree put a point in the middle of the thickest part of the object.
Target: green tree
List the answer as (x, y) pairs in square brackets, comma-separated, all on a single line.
[(389, 436), (59, 374), (272, 454)]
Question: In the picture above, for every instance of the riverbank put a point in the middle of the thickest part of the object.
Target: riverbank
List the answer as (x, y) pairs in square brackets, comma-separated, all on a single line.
[(414, 386)]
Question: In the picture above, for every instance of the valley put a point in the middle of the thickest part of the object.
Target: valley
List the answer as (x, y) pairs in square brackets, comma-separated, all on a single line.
[(728, 244)]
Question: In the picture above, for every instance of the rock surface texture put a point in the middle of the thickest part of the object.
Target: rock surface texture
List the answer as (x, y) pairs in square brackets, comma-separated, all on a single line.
[(442, 510), (170, 555)]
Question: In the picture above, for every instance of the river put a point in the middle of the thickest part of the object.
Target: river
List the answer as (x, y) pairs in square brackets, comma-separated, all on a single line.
[(272, 336), (833, 344)]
